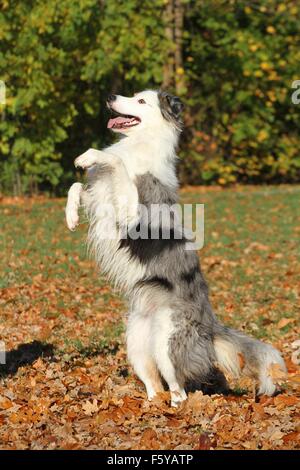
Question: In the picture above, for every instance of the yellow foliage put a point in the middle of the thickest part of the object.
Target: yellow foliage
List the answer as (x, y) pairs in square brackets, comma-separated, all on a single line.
[(269, 160), (282, 63), (262, 135), (273, 75), (227, 169), (265, 66), (281, 7), (271, 95), (180, 71)]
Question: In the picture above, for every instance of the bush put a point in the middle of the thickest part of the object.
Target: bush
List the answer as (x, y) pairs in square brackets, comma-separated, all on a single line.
[(60, 59)]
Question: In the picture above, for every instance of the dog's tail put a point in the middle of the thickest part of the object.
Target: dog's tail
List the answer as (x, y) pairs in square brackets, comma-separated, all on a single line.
[(237, 353)]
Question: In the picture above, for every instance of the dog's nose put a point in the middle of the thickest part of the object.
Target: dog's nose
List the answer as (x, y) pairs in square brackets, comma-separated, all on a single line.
[(112, 98)]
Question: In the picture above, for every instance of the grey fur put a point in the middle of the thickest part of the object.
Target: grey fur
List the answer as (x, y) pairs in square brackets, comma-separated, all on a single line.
[(171, 108), (161, 277), (174, 278)]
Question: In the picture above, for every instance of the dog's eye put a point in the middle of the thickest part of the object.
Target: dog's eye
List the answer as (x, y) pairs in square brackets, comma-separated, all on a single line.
[(141, 101)]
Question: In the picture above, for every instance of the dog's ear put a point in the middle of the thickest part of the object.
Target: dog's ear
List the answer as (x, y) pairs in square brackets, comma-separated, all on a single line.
[(171, 108), (176, 105)]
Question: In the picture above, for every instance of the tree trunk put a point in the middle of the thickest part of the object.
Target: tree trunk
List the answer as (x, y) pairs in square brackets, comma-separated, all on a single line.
[(173, 74), (168, 72), (178, 28), (18, 183)]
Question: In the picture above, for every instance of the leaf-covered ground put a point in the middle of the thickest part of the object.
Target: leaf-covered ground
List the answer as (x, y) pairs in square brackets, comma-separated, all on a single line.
[(67, 383)]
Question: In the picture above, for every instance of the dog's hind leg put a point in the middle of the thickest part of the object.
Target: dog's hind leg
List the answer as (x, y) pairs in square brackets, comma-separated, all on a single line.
[(161, 334), (73, 203), (139, 355)]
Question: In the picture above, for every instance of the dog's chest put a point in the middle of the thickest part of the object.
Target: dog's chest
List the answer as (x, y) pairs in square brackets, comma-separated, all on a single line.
[(105, 240), (104, 236)]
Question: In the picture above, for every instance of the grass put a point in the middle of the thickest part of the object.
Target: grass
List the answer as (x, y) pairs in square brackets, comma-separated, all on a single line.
[(251, 234), (55, 305)]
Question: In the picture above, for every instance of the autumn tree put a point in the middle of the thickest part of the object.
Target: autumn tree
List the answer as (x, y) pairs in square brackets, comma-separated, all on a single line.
[(233, 65)]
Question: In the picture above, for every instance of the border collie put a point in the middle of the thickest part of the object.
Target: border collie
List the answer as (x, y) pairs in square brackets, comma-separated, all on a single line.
[(173, 335)]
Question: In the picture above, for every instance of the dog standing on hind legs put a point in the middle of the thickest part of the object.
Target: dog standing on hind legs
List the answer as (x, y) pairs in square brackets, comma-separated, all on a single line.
[(172, 332)]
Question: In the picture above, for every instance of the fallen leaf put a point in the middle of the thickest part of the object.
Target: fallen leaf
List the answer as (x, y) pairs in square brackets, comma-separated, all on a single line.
[(284, 322), (286, 400), (276, 436), (90, 407), (292, 436), (194, 401), (204, 442), (149, 438), (276, 372), (5, 403)]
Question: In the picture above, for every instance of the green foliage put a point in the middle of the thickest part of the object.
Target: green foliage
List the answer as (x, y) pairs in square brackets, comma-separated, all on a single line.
[(60, 59), (240, 66)]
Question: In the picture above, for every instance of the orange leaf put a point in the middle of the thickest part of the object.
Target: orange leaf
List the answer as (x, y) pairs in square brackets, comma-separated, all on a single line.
[(5, 403), (292, 436), (149, 438), (286, 400), (285, 321), (276, 373)]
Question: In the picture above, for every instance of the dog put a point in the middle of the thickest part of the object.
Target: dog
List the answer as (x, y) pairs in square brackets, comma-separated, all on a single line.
[(173, 336)]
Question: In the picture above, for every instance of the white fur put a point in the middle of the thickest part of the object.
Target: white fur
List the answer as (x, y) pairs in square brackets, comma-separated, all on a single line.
[(121, 270), (150, 146), (73, 203), (147, 147), (228, 359), (148, 335), (227, 356), (162, 329), (111, 203), (139, 350), (269, 357)]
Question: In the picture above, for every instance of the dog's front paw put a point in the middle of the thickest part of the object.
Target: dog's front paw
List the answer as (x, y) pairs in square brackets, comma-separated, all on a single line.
[(72, 218), (87, 159)]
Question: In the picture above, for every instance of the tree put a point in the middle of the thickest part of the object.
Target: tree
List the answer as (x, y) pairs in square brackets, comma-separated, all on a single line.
[(232, 64)]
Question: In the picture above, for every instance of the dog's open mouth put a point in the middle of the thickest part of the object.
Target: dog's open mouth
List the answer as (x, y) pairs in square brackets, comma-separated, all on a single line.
[(123, 121)]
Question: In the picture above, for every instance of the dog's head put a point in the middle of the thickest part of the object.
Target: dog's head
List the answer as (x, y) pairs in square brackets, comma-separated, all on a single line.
[(145, 110)]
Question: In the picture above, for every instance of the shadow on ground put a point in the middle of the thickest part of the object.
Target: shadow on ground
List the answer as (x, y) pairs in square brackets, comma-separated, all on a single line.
[(23, 355)]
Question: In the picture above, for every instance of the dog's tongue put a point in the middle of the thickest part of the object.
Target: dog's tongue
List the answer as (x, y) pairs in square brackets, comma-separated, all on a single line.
[(118, 121)]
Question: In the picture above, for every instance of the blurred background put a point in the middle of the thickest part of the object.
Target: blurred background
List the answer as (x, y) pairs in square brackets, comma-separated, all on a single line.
[(231, 62)]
